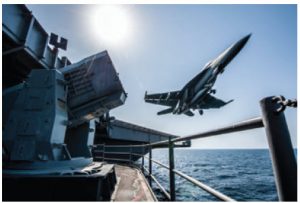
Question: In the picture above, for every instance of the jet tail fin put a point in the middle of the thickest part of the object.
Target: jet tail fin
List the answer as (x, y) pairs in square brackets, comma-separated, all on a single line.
[(165, 111)]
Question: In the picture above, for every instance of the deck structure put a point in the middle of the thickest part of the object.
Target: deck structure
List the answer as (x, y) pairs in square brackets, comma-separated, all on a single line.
[(131, 185)]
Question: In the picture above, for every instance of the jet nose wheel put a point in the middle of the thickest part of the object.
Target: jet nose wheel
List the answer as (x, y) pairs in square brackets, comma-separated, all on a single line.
[(201, 112)]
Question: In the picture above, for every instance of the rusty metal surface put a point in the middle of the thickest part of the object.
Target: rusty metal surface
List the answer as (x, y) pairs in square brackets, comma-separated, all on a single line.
[(132, 185)]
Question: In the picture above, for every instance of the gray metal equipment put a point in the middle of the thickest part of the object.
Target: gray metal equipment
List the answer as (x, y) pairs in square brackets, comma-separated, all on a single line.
[(48, 126), (34, 129), (93, 88), (50, 118)]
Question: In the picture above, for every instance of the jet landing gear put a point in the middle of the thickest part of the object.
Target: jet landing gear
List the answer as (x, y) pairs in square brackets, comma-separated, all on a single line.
[(213, 91), (201, 112)]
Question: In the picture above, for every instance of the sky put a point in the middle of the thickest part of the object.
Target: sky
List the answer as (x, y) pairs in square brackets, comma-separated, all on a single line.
[(159, 48)]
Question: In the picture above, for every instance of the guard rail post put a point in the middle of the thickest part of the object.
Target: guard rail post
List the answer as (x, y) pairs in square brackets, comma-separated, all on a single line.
[(150, 165), (130, 154), (171, 168), (143, 154), (281, 150)]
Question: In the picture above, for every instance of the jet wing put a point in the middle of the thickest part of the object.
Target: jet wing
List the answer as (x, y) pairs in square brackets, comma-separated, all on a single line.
[(166, 99), (210, 101)]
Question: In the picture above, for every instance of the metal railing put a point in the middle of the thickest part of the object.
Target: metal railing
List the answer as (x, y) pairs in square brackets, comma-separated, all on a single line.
[(281, 150)]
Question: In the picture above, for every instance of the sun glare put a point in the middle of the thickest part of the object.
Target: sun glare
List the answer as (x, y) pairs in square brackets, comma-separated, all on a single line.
[(110, 23)]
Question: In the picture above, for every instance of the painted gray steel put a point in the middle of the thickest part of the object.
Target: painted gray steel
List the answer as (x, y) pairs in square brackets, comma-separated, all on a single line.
[(93, 88), (27, 36), (121, 130)]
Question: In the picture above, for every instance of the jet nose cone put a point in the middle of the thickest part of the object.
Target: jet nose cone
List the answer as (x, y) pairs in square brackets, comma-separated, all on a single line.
[(244, 40), (231, 52), (239, 45)]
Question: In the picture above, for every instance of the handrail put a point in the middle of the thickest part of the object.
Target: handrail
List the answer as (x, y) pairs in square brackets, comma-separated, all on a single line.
[(115, 159), (134, 154), (197, 183), (205, 187), (118, 146), (157, 162), (146, 170), (158, 184), (241, 126), (161, 164), (276, 129), (121, 153), (161, 187)]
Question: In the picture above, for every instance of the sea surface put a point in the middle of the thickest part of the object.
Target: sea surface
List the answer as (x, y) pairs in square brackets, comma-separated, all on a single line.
[(244, 175)]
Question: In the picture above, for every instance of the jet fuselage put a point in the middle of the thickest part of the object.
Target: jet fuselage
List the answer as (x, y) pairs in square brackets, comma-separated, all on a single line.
[(196, 94), (196, 89)]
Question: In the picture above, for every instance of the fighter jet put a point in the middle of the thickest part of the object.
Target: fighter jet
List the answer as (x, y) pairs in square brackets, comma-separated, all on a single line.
[(197, 93)]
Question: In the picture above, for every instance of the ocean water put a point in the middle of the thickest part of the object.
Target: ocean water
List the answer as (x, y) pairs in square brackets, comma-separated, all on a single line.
[(244, 175)]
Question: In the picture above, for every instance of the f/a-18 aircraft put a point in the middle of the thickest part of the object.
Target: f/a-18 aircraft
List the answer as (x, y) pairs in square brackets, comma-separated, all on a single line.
[(197, 93)]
